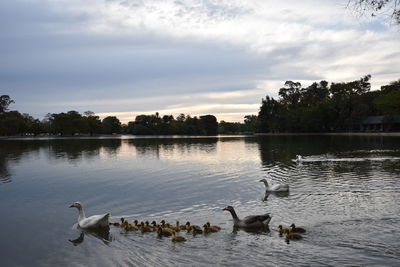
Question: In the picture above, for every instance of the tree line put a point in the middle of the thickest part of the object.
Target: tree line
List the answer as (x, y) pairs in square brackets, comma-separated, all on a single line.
[(73, 123), (320, 107)]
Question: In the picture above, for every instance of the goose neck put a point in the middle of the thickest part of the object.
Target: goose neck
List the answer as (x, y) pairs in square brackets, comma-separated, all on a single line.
[(234, 215), (81, 214)]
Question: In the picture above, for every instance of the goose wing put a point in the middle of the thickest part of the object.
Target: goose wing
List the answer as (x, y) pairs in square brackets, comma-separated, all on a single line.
[(280, 187), (95, 221), (256, 218)]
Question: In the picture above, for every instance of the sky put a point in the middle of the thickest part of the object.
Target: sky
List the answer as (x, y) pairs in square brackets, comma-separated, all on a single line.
[(129, 57)]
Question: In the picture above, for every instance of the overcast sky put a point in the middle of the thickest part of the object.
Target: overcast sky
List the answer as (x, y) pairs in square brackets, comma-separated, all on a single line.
[(131, 57)]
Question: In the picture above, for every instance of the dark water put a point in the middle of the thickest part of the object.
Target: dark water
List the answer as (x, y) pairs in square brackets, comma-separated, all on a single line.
[(345, 192)]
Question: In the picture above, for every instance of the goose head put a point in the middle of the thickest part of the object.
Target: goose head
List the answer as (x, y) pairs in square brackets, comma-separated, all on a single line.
[(228, 208), (77, 205), (263, 181)]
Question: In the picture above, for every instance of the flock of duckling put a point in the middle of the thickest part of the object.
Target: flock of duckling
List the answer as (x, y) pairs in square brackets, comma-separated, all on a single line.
[(164, 229), (292, 232)]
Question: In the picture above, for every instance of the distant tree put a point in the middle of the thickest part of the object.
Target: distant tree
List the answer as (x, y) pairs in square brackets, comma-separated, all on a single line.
[(93, 122), (69, 123), (5, 101), (89, 113), (12, 123), (346, 99), (290, 93), (209, 124), (111, 124), (229, 127), (389, 103), (269, 115), (250, 123), (315, 93), (181, 117), (391, 86)]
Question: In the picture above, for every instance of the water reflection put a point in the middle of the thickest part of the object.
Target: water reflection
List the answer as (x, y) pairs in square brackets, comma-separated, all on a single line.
[(160, 147), (72, 150), (276, 194), (350, 207), (102, 234)]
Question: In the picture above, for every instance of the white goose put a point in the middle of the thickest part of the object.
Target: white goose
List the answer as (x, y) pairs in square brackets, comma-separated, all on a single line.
[(95, 221), (275, 187)]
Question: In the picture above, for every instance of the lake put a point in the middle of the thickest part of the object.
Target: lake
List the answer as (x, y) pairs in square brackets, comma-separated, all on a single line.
[(345, 191)]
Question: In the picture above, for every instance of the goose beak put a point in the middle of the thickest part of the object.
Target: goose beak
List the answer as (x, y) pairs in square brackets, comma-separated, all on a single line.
[(224, 209), (72, 206)]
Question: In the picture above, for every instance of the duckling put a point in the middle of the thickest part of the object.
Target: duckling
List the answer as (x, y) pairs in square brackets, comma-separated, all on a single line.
[(154, 224), (181, 227), (295, 229), (215, 228), (144, 228), (136, 223), (162, 223), (283, 230), (293, 236), (164, 231), (195, 229), (208, 229), (124, 222), (177, 227), (146, 223), (130, 227), (177, 238)]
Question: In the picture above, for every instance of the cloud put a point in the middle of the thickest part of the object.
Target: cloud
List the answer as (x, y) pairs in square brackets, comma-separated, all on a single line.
[(202, 55)]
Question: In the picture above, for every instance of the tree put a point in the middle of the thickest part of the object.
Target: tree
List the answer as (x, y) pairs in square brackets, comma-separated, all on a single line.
[(290, 93), (89, 113), (377, 7), (93, 123), (5, 101), (389, 103), (111, 124), (269, 115), (209, 124), (315, 93), (68, 123)]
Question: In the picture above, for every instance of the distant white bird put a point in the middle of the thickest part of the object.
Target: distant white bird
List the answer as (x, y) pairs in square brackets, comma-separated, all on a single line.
[(95, 221), (298, 159), (275, 187)]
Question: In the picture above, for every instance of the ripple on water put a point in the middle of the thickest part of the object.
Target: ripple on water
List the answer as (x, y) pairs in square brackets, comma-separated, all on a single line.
[(348, 201)]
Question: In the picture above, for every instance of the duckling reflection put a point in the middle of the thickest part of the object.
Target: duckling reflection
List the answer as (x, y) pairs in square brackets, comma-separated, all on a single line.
[(277, 194), (102, 234)]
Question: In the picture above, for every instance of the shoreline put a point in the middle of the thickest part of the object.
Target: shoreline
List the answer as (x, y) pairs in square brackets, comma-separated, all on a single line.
[(339, 134), (393, 134)]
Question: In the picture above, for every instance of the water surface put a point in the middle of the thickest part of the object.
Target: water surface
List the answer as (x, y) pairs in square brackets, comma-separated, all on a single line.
[(345, 191)]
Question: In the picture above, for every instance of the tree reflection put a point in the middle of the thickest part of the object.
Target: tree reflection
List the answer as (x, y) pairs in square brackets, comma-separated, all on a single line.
[(157, 146), (72, 150)]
